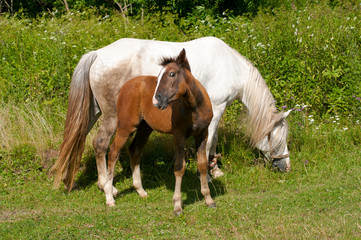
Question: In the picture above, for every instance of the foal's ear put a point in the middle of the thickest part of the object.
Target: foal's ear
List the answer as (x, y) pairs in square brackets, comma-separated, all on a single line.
[(182, 60)]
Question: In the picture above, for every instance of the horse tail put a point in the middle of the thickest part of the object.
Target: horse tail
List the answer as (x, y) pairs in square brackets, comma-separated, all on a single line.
[(76, 125)]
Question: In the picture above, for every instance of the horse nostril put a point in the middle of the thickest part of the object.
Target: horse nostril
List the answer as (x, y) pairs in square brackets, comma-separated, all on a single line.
[(158, 97)]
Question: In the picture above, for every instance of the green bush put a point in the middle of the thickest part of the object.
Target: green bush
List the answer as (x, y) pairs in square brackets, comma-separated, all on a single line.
[(308, 56)]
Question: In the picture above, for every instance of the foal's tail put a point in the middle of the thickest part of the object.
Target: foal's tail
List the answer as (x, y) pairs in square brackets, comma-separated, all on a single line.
[(76, 125)]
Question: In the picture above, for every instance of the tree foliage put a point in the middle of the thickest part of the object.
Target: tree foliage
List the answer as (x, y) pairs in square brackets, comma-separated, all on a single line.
[(181, 7)]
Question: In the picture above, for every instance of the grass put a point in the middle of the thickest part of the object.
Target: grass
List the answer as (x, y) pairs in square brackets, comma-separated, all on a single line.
[(29, 124), (319, 198)]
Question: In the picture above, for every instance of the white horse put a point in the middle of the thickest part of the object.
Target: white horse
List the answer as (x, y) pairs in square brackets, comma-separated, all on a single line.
[(224, 73)]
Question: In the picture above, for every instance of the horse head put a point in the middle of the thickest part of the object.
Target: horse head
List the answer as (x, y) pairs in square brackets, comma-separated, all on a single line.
[(171, 82), (274, 145)]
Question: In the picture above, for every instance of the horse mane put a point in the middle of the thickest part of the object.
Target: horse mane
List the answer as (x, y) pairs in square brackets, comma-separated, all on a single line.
[(262, 113), (166, 60)]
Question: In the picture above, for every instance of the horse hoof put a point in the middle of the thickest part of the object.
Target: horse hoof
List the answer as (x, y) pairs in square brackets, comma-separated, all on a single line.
[(111, 204), (213, 205), (178, 213), (216, 172), (144, 195)]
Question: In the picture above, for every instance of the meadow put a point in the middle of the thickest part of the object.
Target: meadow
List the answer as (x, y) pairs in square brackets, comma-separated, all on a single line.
[(310, 59)]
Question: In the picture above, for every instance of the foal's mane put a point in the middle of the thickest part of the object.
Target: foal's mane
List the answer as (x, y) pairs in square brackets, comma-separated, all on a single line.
[(166, 60), (263, 114)]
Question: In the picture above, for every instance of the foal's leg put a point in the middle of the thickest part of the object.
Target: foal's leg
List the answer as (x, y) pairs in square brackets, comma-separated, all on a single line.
[(135, 151), (179, 169), (100, 144), (120, 139), (202, 162)]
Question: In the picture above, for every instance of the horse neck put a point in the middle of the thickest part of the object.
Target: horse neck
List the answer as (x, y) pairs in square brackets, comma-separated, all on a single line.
[(261, 107)]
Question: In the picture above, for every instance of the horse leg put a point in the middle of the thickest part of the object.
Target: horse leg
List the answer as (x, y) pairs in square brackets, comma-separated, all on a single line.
[(113, 156), (201, 142), (213, 139), (100, 144), (179, 169), (135, 151)]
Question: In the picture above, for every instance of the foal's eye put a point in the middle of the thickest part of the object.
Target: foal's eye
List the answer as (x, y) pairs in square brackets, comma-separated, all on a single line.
[(172, 74)]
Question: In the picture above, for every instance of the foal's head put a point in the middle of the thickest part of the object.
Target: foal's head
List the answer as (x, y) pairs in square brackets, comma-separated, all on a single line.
[(171, 82)]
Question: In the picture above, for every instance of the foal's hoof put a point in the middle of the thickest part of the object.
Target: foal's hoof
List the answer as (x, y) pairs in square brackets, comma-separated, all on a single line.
[(178, 213), (213, 205), (111, 204)]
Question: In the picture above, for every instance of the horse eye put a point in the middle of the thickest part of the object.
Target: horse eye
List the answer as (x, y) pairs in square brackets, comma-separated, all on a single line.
[(172, 74)]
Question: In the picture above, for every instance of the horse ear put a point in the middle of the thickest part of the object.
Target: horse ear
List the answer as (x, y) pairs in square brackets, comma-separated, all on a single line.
[(182, 60)]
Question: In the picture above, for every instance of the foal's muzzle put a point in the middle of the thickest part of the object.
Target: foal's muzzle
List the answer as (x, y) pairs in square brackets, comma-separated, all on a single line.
[(160, 101)]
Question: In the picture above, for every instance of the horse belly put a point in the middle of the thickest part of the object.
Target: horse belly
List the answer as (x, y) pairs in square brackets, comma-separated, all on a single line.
[(159, 120)]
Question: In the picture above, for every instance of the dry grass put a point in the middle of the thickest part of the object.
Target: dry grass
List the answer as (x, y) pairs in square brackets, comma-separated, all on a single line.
[(28, 124)]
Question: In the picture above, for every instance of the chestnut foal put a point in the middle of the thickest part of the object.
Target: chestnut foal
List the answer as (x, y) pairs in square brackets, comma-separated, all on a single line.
[(174, 103)]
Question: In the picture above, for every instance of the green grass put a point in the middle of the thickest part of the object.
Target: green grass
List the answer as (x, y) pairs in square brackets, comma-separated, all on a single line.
[(319, 198)]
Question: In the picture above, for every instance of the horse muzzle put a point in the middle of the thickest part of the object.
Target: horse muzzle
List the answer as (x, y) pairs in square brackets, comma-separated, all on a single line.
[(160, 102), (281, 164)]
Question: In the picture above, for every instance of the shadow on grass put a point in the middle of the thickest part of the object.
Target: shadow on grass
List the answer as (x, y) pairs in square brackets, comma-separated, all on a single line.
[(157, 164)]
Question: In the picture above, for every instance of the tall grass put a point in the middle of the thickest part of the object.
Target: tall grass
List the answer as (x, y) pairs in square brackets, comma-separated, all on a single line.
[(29, 125), (308, 56)]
